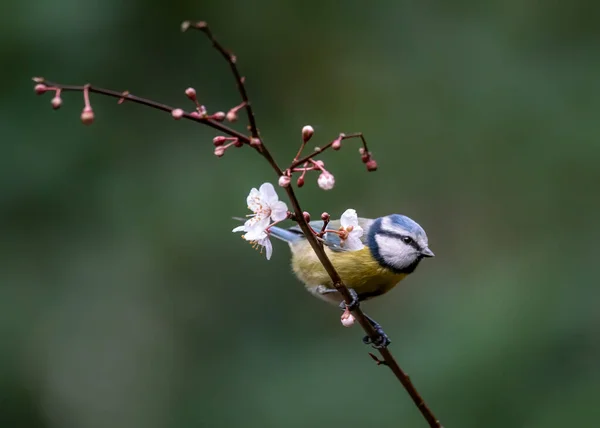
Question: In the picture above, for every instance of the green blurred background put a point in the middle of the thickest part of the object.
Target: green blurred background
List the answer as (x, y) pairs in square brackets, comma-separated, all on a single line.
[(127, 302)]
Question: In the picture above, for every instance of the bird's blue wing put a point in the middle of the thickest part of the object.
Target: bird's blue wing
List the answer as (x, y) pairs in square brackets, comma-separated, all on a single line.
[(332, 240)]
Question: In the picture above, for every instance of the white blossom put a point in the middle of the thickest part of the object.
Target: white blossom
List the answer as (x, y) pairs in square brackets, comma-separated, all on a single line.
[(350, 231), (267, 208)]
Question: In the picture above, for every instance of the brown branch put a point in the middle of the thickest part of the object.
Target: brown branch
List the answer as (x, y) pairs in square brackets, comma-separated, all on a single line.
[(144, 101), (298, 216)]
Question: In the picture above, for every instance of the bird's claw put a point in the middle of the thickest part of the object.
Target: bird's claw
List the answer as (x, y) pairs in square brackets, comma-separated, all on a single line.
[(353, 305), (381, 341)]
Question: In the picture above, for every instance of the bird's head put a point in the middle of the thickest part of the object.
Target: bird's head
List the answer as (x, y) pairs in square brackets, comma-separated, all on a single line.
[(398, 243)]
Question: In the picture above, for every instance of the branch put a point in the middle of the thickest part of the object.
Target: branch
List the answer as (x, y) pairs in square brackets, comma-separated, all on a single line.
[(255, 142)]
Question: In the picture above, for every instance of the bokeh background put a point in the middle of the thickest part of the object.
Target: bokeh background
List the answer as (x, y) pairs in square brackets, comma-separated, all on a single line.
[(126, 301)]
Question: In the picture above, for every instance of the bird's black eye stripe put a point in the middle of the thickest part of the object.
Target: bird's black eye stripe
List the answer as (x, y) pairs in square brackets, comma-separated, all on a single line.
[(404, 238)]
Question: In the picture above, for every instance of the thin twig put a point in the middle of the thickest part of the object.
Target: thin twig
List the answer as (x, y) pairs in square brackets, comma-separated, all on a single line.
[(328, 145), (231, 60), (149, 103)]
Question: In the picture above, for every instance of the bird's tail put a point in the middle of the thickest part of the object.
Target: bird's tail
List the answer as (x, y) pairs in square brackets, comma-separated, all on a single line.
[(285, 235)]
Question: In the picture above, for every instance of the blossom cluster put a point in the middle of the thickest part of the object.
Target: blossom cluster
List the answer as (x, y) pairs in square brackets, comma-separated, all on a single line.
[(268, 210)]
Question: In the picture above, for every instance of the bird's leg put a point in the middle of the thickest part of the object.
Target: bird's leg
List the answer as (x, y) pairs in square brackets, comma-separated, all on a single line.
[(382, 340), (354, 304), (343, 306)]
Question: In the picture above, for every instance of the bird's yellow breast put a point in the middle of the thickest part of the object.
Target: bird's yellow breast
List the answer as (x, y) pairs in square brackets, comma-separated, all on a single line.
[(358, 269)]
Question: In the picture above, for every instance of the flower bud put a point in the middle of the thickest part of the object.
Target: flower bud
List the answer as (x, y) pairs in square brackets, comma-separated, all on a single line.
[(219, 140), (40, 88), (177, 113), (255, 142), (231, 115), (307, 133), (219, 151), (300, 181), (371, 165), (306, 215), (325, 216), (191, 93), (326, 181), (87, 116), (337, 144), (347, 319), (284, 181), (218, 116), (56, 102)]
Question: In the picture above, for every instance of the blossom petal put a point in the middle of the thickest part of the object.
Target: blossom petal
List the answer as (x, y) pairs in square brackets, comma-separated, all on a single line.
[(256, 230), (353, 244), (357, 232), (253, 200), (241, 228), (268, 193), (279, 211), (266, 242), (349, 218)]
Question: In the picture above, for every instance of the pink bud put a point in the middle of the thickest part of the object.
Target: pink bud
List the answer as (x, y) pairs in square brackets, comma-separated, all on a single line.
[(232, 115), (177, 113), (361, 150), (191, 93), (300, 181), (196, 115), (40, 88), (255, 142), (326, 181), (306, 215), (337, 144), (325, 216), (347, 319), (87, 116), (284, 181), (219, 151), (365, 157), (219, 140), (307, 133), (371, 165), (218, 116), (56, 102)]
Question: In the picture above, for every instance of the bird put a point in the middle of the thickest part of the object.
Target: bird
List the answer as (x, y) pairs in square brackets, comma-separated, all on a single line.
[(392, 248)]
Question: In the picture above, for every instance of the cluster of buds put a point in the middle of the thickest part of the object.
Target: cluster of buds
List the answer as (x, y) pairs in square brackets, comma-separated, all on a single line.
[(41, 88), (222, 143), (87, 114), (367, 159), (201, 112), (326, 180)]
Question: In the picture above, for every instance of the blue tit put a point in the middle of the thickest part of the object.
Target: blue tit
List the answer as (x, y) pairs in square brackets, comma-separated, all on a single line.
[(394, 246)]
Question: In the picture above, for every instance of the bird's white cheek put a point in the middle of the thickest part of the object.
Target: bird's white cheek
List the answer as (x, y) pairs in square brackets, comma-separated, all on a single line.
[(393, 251)]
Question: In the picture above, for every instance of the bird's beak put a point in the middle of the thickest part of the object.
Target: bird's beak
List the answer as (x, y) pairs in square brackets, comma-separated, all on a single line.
[(426, 252)]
